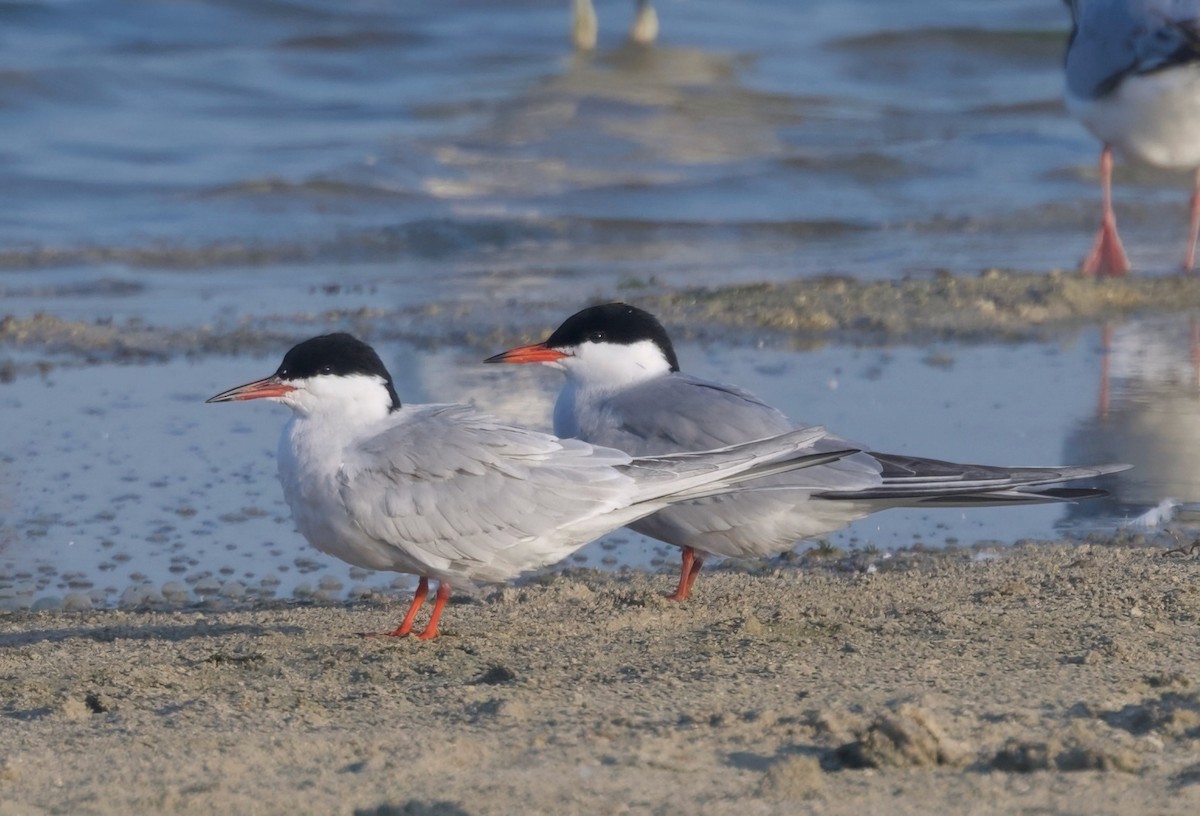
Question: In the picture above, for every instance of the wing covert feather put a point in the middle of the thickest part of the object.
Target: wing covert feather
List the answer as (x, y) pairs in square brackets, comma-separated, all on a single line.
[(457, 489), (683, 413), (1116, 38)]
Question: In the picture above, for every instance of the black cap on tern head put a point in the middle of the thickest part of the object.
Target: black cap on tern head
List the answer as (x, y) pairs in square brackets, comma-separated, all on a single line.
[(617, 323), (338, 354)]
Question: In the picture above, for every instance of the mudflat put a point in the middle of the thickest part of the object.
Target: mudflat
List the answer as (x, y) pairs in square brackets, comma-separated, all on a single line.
[(1052, 678)]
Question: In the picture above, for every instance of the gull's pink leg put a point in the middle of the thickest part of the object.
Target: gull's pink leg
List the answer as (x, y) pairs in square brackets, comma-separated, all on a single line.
[(1105, 353), (1194, 349), (1107, 258), (1189, 258)]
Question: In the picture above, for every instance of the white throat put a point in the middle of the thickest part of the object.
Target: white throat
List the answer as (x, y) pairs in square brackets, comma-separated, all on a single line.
[(329, 414), (597, 370), (612, 366), (351, 401)]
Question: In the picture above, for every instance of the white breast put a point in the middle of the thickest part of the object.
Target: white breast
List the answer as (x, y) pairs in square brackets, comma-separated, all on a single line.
[(1150, 118), (566, 419), (310, 458)]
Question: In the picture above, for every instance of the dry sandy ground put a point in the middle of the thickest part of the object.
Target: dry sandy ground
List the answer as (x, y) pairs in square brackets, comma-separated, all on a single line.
[(1055, 679)]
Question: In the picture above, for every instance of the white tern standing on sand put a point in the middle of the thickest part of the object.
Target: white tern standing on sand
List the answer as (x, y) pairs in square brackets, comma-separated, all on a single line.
[(624, 390), (447, 493)]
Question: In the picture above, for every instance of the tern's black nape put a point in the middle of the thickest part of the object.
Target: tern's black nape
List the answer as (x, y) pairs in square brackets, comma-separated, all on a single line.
[(617, 323), (338, 355)]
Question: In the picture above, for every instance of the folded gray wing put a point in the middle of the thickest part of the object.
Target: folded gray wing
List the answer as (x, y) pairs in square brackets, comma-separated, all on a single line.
[(914, 480), (1113, 39), (683, 413), (459, 490)]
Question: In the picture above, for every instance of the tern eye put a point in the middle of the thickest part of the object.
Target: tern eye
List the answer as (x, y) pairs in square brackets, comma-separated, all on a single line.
[(326, 369), (597, 337)]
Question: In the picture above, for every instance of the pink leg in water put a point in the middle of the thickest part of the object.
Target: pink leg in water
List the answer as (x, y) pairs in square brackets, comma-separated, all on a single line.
[(1189, 258)]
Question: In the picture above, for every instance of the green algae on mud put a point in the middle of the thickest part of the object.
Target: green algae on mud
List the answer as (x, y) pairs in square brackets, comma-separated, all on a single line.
[(995, 304)]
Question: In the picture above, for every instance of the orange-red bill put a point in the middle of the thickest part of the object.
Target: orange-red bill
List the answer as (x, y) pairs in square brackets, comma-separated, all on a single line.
[(533, 353), (259, 389)]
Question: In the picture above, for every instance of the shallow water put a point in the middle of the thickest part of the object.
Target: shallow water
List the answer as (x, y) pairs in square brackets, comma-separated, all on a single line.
[(122, 477), (465, 142), (230, 164)]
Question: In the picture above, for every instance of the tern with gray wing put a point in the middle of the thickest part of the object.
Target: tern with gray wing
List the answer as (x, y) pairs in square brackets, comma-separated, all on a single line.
[(624, 389), (447, 493)]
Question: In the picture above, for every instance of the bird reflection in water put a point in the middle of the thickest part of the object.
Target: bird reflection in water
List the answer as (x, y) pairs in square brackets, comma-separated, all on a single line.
[(1148, 414)]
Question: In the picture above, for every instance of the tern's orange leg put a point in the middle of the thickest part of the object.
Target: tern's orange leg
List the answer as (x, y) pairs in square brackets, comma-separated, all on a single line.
[(688, 570), (431, 629), (692, 573), (685, 569), (418, 599), (1107, 258), (1189, 258)]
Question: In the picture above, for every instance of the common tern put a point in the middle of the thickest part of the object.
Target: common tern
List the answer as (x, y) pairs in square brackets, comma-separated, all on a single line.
[(1133, 79), (450, 494), (624, 390)]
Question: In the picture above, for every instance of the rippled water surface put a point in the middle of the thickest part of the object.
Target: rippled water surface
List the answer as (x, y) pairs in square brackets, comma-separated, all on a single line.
[(465, 138), (204, 162)]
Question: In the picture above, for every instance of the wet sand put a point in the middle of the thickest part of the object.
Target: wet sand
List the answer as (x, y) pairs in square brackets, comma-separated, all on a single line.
[(182, 222), (996, 304), (1052, 679)]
